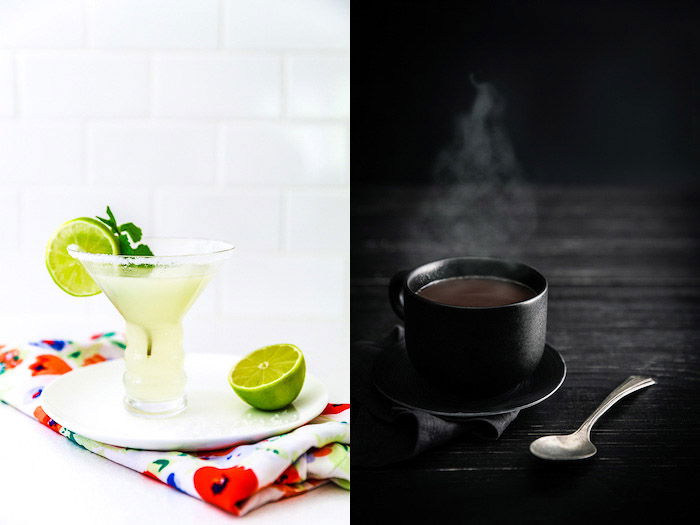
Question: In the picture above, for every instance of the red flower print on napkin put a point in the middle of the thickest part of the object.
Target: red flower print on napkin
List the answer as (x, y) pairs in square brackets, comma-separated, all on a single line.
[(97, 358), (49, 364), (319, 453), (9, 359), (225, 487), (291, 475), (335, 408), (45, 420)]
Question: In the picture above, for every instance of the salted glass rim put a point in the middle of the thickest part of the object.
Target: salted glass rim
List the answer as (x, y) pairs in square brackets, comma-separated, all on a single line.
[(218, 250)]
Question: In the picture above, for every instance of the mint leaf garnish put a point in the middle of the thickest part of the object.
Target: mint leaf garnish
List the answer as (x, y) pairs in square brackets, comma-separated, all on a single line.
[(142, 249), (126, 234), (132, 230), (109, 222)]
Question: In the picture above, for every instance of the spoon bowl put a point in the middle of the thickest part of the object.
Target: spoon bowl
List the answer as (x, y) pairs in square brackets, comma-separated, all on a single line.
[(564, 447)]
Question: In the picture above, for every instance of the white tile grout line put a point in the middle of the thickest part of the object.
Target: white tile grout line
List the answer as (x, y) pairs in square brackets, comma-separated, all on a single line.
[(341, 121), (169, 52), (220, 152), (346, 291), (86, 162), (156, 199), (322, 187), (284, 233), (151, 217), (221, 27), (18, 216), (283, 85), (15, 86), (151, 86), (87, 24), (157, 187)]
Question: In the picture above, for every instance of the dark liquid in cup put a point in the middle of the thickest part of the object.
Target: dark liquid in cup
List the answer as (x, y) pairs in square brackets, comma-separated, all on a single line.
[(476, 291)]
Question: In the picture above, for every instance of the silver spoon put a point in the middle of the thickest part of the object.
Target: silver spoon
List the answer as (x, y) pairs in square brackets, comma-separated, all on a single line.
[(578, 445)]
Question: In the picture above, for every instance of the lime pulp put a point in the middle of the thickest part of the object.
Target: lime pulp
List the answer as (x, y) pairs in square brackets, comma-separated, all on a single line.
[(89, 235), (269, 378)]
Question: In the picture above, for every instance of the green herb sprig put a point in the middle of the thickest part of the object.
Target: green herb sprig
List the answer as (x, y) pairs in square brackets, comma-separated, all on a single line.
[(126, 234)]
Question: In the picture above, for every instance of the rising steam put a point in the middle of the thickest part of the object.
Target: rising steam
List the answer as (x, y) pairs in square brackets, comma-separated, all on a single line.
[(480, 203)]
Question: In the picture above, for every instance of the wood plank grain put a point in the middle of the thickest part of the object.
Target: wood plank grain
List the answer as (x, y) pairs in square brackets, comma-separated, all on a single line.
[(624, 299)]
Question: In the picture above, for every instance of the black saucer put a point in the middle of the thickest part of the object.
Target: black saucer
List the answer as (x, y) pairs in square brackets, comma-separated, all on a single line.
[(395, 377)]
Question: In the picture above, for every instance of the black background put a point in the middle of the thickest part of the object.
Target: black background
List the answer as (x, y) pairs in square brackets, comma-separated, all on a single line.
[(595, 91)]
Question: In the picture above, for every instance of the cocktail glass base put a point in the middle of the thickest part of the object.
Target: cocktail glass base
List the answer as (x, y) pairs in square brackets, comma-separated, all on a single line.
[(159, 409)]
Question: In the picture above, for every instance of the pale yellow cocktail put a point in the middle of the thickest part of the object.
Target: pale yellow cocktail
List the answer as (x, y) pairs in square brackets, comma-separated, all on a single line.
[(153, 308), (153, 294)]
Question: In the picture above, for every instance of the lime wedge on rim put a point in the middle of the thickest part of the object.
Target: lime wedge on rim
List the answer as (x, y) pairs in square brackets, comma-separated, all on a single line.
[(89, 235), (269, 378)]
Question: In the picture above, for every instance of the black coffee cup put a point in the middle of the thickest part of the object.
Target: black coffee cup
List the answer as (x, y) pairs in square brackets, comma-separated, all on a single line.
[(472, 351)]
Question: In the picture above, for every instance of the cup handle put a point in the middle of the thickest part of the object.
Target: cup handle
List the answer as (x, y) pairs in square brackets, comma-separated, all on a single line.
[(396, 292)]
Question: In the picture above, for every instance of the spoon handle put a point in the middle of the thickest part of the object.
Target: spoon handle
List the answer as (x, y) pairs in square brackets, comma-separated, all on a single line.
[(629, 385)]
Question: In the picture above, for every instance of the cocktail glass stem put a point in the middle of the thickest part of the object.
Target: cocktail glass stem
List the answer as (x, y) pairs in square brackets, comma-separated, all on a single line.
[(155, 378)]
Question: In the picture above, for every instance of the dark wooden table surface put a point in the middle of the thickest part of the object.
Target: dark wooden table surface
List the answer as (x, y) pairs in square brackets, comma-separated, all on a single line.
[(623, 267)]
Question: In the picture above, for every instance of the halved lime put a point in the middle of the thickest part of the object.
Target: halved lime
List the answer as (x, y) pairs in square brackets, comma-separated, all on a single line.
[(89, 235), (269, 378)]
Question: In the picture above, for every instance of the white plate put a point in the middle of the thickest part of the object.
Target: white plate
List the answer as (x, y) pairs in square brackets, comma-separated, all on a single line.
[(89, 401)]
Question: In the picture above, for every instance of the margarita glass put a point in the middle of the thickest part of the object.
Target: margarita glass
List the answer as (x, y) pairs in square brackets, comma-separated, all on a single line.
[(153, 293)]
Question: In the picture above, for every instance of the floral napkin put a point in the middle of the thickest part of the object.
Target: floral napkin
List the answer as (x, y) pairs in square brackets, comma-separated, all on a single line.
[(238, 479)]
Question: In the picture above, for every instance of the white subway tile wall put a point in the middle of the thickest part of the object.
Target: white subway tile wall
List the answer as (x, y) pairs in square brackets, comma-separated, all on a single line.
[(194, 85), (7, 85), (152, 153), (41, 151), (52, 24), (249, 217), (316, 86), (9, 219), (313, 219), (312, 24), (172, 24), (82, 84), (205, 118), (286, 153)]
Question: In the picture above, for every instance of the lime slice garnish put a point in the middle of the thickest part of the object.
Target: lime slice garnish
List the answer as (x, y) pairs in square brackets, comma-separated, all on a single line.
[(87, 234), (269, 378)]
